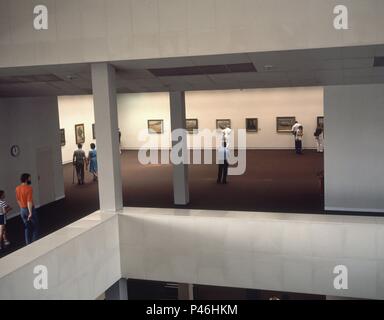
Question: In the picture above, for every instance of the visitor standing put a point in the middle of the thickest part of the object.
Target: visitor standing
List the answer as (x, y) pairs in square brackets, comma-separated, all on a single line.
[(319, 138), (79, 160), (299, 140), (92, 160), (223, 154), (4, 209), (294, 129), (24, 197)]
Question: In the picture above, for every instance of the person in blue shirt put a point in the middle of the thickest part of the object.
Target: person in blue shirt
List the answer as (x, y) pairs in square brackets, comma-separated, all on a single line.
[(223, 154), (92, 160)]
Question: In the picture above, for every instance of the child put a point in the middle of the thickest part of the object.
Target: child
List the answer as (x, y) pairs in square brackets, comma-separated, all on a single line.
[(4, 209)]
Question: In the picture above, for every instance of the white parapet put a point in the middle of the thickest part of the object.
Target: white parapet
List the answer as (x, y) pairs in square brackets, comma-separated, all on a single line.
[(270, 251)]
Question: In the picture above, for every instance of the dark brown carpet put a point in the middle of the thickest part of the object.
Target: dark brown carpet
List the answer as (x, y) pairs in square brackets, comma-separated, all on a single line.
[(275, 180)]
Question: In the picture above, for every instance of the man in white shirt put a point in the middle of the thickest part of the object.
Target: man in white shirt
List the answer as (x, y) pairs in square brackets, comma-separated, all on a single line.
[(222, 157), (226, 135), (294, 130)]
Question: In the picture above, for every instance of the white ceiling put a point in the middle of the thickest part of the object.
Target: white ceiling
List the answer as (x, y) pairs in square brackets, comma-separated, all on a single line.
[(315, 67)]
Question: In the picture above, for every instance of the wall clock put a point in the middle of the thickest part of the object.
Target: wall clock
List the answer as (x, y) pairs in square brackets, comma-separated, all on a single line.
[(15, 151)]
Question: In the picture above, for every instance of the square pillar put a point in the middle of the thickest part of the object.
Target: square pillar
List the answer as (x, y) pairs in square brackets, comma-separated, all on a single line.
[(107, 134), (180, 171)]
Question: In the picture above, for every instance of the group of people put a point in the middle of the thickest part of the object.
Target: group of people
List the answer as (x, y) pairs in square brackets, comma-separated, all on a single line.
[(81, 161), (24, 197), (298, 133)]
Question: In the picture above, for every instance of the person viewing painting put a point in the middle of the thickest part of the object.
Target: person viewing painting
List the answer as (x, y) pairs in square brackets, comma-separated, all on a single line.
[(92, 161), (79, 161), (319, 138), (299, 140)]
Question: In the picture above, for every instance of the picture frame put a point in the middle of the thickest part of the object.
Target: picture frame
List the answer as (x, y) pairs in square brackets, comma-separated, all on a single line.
[(223, 123), (284, 124), (156, 126), (320, 122), (252, 124), (80, 133), (62, 137), (93, 132), (192, 125)]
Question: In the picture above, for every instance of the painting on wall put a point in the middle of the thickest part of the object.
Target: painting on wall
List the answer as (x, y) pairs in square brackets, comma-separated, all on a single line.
[(93, 132), (192, 125), (79, 133), (320, 122), (156, 126), (223, 123), (62, 137), (285, 124), (251, 124)]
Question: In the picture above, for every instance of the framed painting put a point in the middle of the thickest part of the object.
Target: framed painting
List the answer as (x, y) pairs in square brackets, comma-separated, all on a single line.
[(285, 124), (62, 137), (223, 123), (192, 125), (93, 132), (320, 122), (79, 133), (156, 126), (252, 124)]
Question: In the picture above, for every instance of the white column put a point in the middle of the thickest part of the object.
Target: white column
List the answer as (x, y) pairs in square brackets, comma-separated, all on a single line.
[(107, 137), (180, 171)]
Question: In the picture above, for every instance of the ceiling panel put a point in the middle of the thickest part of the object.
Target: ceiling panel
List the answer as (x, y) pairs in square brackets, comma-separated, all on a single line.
[(328, 66)]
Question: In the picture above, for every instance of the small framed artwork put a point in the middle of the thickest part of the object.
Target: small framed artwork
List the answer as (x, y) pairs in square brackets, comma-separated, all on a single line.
[(251, 124), (223, 123), (285, 124), (93, 132), (320, 122), (192, 125), (62, 137), (79, 133), (156, 126)]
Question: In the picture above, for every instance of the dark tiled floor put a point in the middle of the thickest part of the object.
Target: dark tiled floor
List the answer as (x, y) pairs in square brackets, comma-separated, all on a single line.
[(275, 180)]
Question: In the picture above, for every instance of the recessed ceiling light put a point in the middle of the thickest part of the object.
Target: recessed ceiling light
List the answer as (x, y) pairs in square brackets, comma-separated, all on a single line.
[(268, 67)]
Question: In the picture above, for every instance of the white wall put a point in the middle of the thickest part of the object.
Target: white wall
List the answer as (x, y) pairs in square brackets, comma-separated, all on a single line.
[(207, 106), (354, 170), (104, 30), (31, 123), (75, 110), (267, 251), (270, 251), (83, 261)]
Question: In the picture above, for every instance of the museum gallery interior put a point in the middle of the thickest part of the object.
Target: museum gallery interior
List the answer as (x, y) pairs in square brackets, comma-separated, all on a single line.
[(134, 85)]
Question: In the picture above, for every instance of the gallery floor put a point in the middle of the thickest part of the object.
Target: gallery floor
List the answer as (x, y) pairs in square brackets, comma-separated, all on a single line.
[(275, 180)]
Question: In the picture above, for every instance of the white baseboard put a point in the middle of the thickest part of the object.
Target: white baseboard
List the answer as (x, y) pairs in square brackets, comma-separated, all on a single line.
[(354, 209)]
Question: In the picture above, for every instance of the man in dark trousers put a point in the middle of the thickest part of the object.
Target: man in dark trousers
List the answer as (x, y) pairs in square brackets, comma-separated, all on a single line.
[(223, 154), (79, 159)]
